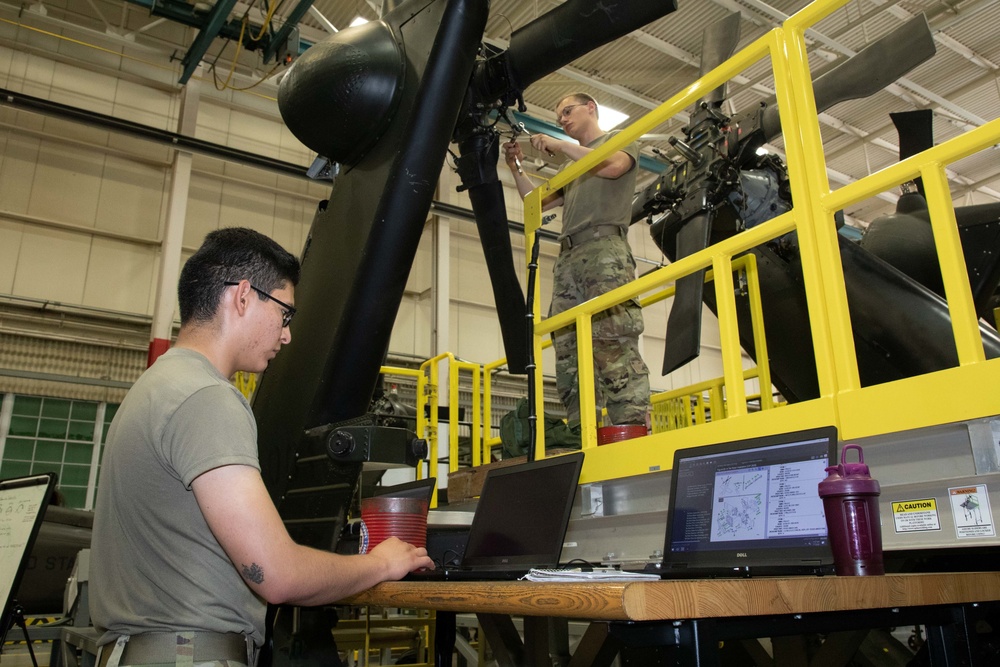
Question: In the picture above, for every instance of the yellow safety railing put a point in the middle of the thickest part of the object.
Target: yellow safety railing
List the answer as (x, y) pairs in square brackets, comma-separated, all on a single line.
[(246, 382), (428, 378), (424, 428), (971, 390), (667, 411), (428, 421), (687, 406), (669, 408), (489, 441)]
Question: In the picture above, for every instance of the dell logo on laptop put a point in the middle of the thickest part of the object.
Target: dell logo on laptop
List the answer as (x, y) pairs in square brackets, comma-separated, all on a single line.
[(741, 554)]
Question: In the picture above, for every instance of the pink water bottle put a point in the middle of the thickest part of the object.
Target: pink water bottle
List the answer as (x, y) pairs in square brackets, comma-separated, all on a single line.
[(850, 499)]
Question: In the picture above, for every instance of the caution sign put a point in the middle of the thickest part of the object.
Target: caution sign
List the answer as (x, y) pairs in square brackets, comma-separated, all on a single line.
[(912, 516), (970, 506)]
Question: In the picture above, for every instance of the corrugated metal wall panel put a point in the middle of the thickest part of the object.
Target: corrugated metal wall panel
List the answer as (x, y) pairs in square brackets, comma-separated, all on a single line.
[(41, 366)]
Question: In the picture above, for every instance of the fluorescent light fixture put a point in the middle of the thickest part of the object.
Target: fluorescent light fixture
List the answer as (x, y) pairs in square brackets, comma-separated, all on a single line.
[(609, 118), (358, 20)]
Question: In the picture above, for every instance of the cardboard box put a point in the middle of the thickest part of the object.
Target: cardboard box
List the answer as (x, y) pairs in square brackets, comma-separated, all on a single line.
[(467, 483)]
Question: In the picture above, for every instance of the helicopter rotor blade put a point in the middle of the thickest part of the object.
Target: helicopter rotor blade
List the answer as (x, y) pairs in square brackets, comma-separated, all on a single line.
[(868, 71), (571, 30), (486, 196), (719, 40), (683, 338), (916, 134)]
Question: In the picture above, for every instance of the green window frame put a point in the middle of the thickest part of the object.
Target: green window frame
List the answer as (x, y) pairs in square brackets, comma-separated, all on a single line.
[(47, 434)]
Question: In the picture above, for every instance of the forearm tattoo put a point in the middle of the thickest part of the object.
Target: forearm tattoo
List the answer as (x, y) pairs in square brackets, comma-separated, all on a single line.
[(253, 573)]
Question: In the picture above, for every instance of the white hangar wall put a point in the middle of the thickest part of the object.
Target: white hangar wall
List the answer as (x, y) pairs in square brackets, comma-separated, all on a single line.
[(83, 210)]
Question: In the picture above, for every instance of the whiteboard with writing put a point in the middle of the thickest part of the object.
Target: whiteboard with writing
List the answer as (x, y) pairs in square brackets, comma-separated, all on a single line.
[(22, 504)]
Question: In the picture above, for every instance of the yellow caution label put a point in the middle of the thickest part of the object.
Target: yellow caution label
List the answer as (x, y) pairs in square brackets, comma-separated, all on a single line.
[(912, 516), (922, 505)]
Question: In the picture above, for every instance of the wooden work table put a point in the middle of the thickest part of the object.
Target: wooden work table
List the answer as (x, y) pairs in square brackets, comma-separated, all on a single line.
[(723, 602), (686, 599)]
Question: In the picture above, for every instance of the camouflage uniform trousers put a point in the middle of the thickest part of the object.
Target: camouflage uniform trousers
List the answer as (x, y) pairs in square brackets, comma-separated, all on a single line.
[(621, 377)]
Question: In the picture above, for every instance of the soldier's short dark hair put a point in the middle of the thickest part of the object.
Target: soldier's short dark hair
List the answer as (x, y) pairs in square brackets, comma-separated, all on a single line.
[(230, 255)]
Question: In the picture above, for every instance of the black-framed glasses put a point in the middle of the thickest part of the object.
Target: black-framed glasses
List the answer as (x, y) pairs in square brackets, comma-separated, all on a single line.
[(569, 107), (286, 315)]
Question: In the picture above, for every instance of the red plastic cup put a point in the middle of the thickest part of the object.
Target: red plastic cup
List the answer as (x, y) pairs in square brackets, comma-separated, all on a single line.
[(383, 517)]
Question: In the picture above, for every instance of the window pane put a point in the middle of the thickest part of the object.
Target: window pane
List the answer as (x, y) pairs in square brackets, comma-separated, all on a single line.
[(84, 411), (39, 467), (19, 448), (78, 452), (14, 469), (23, 425), (74, 476), (52, 428), (27, 405), (75, 497), (55, 407), (81, 431), (49, 451)]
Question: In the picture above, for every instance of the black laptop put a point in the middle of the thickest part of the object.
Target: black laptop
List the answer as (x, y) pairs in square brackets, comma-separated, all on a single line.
[(520, 521), (750, 507)]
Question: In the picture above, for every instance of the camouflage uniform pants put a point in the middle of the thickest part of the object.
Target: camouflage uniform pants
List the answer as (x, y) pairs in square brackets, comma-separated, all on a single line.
[(621, 377)]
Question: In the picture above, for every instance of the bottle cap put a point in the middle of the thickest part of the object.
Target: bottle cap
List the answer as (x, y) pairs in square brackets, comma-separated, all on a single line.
[(851, 469), (849, 478)]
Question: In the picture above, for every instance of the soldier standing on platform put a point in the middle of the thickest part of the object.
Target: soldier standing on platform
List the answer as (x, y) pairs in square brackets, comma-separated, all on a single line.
[(594, 258)]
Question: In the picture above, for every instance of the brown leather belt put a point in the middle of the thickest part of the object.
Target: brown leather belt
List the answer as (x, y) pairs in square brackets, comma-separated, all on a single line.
[(601, 231), (162, 647)]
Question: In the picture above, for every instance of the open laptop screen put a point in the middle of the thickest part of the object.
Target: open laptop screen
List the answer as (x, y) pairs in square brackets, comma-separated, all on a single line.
[(751, 505), (522, 514)]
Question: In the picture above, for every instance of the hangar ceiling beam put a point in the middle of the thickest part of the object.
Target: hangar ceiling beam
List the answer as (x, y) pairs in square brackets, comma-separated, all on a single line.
[(179, 12), (209, 31), (282, 34), (318, 15)]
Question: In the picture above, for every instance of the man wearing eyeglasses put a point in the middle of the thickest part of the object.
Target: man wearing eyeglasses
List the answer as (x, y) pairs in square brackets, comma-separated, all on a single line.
[(187, 546), (594, 258)]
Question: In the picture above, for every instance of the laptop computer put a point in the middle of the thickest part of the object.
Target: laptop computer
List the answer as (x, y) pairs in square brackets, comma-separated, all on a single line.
[(520, 521), (750, 507)]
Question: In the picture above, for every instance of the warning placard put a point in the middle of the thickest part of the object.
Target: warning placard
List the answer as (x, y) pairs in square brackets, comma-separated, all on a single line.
[(970, 505), (911, 516)]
